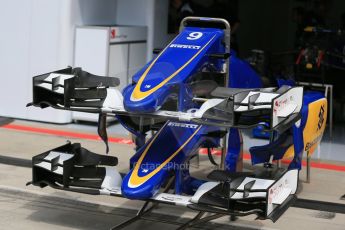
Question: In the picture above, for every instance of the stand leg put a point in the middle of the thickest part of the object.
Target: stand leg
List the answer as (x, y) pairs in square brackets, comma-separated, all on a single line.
[(308, 168), (208, 218), (199, 220), (239, 165), (331, 113), (144, 210), (224, 150), (191, 222), (140, 213), (198, 160), (126, 223)]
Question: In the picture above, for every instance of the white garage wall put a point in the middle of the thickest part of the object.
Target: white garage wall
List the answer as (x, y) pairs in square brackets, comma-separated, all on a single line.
[(14, 55), (138, 13), (150, 13), (37, 37)]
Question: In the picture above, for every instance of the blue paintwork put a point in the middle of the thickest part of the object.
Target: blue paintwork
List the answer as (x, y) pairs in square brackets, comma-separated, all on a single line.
[(277, 149), (170, 60), (260, 131), (234, 149), (242, 75), (169, 139), (298, 142), (289, 82)]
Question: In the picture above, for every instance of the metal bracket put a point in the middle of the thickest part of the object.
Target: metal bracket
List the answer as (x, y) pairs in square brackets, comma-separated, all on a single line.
[(308, 167), (199, 219), (144, 210)]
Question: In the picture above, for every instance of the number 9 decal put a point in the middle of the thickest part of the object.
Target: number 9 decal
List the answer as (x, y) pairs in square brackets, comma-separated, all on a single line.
[(194, 36)]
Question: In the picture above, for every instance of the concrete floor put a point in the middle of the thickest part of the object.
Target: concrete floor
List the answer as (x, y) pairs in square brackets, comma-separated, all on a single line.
[(34, 208), (20, 209)]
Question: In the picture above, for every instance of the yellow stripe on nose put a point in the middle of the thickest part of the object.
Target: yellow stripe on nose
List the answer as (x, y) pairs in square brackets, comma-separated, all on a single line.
[(135, 180), (139, 95)]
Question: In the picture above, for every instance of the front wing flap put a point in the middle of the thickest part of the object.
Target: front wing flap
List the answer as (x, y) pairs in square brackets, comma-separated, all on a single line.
[(77, 90)]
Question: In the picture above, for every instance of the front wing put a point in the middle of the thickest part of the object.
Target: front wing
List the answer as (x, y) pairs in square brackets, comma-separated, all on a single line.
[(77, 90), (73, 168)]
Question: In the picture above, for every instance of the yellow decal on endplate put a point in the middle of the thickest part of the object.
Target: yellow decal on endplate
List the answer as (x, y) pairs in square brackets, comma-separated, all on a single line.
[(314, 128)]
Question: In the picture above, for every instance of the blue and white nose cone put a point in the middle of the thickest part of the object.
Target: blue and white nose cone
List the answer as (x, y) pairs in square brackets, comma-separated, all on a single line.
[(173, 66), (142, 184), (165, 152), (150, 103)]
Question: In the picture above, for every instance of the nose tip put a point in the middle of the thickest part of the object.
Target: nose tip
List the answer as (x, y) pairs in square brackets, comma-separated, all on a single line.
[(147, 104)]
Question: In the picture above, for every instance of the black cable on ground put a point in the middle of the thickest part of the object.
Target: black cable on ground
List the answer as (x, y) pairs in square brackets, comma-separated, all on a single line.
[(15, 161), (320, 205)]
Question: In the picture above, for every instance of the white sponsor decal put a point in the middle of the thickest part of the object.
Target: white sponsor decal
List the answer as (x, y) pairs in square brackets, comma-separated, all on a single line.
[(194, 36), (183, 125), (276, 190), (182, 46), (281, 104)]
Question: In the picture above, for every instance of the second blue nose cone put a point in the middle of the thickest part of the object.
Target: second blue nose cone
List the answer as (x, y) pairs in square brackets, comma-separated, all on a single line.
[(146, 190)]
